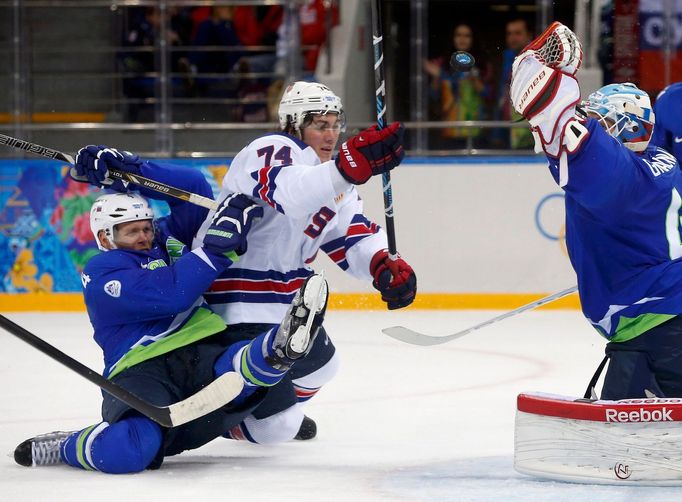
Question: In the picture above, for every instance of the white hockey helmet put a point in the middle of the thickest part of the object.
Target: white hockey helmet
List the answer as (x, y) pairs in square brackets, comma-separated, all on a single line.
[(303, 98), (111, 209), (625, 112)]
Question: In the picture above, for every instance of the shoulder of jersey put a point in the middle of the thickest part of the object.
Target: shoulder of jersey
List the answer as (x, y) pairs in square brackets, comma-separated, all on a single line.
[(113, 259), (671, 91), (280, 138)]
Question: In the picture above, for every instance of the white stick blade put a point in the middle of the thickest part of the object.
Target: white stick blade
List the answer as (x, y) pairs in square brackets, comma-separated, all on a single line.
[(412, 337), (215, 395)]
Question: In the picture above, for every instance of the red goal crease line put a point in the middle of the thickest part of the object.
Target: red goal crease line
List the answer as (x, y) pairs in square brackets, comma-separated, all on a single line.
[(73, 302)]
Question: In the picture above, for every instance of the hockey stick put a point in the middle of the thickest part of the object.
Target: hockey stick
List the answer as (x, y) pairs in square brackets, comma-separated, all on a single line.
[(413, 337), (380, 86), (215, 395), (157, 186)]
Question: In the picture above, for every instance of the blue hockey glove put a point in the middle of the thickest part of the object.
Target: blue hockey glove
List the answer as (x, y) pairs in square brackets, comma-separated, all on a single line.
[(93, 163), (373, 151), (395, 279), (230, 224)]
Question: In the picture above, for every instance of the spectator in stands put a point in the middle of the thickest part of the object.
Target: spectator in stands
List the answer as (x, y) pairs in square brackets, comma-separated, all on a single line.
[(141, 64), (458, 95), (605, 45), (312, 17), (218, 33), (256, 28), (517, 36)]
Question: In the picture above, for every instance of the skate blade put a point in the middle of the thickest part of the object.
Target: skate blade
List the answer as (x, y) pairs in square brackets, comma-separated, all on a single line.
[(314, 299), (315, 294)]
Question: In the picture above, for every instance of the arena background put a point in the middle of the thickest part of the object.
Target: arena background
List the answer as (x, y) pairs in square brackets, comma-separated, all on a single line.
[(482, 225)]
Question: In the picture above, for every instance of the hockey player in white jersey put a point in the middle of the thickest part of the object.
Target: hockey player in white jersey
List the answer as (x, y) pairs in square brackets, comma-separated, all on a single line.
[(310, 203)]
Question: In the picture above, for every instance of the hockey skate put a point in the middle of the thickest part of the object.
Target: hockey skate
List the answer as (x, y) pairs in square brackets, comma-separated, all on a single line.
[(296, 334), (41, 450), (308, 429)]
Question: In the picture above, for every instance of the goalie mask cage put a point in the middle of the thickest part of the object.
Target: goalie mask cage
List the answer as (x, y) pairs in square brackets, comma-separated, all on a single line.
[(630, 442)]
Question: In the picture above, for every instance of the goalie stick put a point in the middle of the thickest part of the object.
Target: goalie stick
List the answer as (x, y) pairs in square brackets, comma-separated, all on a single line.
[(157, 186), (215, 395), (415, 338)]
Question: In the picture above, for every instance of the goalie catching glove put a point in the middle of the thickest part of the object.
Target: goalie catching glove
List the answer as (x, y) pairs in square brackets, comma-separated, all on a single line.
[(394, 279), (545, 91), (373, 151), (93, 163)]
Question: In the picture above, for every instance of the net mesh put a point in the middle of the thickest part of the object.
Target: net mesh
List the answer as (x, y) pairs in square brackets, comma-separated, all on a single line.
[(561, 50)]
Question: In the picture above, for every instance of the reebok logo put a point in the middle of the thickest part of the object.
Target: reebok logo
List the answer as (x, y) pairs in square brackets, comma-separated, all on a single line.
[(662, 415)]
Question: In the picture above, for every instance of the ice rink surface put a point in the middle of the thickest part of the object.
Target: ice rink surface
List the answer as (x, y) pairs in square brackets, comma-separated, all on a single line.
[(399, 423)]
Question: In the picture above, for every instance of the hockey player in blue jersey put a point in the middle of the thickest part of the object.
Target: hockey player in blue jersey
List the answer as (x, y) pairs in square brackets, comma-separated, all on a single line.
[(159, 338), (668, 130), (623, 212)]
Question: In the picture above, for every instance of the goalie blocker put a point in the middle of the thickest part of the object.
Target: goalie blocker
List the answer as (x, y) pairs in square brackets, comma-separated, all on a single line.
[(632, 441)]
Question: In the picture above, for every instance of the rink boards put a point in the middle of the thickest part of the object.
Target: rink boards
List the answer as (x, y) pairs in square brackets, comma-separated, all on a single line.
[(479, 232)]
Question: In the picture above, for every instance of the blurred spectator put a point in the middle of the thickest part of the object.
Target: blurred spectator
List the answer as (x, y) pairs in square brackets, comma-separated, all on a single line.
[(199, 15), (517, 35), (256, 28), (141, 62), (605, 46), (258, 25), (217, 33), (314, 29), (312, 17), (458, 95)]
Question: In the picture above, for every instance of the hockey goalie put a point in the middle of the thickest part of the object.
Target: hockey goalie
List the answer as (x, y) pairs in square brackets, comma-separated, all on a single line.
[(623, 235)]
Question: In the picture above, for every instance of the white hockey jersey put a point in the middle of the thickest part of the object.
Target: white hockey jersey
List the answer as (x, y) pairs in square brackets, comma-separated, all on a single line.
[(308, 206)]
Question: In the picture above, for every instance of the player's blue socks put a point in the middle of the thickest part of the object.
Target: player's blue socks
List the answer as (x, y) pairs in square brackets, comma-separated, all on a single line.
[(250, 359), (121, 448)]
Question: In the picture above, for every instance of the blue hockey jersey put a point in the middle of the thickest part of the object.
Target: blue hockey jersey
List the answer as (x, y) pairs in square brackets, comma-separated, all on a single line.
[(146, 303), (623, 233), (668, 129)]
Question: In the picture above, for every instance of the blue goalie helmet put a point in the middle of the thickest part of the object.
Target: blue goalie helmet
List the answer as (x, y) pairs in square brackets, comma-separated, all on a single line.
[(625, 112)]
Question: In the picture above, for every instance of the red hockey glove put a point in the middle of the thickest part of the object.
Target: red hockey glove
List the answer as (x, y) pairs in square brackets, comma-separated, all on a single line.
[(394, 279), (371, 152)]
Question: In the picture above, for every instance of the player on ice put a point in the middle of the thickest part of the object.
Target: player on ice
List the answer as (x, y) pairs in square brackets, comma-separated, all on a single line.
[(668, 110), (159, 338), (310, 203), (623, 201)]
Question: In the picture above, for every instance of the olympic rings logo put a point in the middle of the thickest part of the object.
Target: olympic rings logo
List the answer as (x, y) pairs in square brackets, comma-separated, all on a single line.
[(549, 219)]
